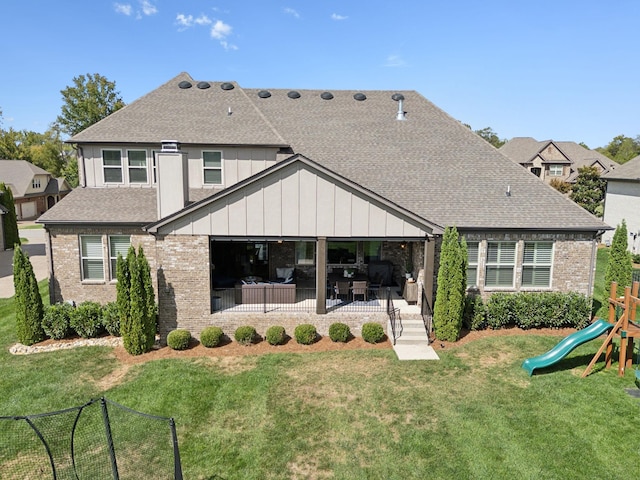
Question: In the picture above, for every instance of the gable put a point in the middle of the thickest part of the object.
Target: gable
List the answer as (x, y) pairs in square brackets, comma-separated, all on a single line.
[(296, 199)]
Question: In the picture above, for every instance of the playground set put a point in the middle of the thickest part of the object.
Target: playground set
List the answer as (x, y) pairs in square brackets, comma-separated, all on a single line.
[(624, 327)]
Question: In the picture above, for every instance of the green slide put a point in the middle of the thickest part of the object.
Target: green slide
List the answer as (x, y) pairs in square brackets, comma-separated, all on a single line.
[(566, 345)]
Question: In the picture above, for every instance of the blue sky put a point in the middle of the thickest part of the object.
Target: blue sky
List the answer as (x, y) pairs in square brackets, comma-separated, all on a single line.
[(562, 70)]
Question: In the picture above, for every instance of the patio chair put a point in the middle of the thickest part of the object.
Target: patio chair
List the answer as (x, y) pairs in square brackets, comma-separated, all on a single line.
[(360, 288), (343, 289)]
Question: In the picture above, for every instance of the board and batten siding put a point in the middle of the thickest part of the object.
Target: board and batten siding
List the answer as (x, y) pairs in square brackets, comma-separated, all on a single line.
[(296, 202)]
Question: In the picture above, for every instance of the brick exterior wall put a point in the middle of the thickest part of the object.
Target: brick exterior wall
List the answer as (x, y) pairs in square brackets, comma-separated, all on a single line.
[(64, 245)]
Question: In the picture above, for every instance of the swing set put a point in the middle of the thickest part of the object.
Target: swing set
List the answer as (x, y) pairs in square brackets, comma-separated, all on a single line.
[(625, 327)]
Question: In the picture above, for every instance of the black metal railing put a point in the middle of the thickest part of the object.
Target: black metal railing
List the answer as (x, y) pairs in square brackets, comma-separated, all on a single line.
[(266, 298), (427, 314), (394, 318)]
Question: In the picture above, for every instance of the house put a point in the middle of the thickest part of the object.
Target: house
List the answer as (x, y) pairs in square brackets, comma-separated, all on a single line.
[(227, 188), (34, 190), (551, 159), (622, 201)]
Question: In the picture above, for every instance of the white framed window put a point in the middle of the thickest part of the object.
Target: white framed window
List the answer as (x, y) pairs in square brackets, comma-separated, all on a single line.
[(137, 160), (35, 183), (92, 263), (118, 244), (536, 264), (212, 167), (556, 170), (473, 250), (112, 166), (305, 253), (501, 261)]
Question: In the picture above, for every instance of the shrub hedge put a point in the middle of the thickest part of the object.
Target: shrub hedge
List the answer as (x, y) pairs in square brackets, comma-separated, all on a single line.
[(211, 336), (372, 332), (179, 339), (275, 335), (86, 319), (305, 334), (245, 334), (56, 320), (532, 310), (339, 332), (111, 319)]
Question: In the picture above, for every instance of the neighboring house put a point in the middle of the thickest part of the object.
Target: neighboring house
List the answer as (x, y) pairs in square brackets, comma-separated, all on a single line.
[(550, 159), (34, 190), (224, 186), (622, 201)]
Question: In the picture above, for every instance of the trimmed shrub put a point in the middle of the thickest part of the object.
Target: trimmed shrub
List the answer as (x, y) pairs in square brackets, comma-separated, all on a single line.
[(500, 310), (275, 335), (372, 332), (475, 313), (56, 320), (305, 334), (86, 319), (179, 339), (339, 332), (28, 304), (245, 335), (111, 319), (211, 336)]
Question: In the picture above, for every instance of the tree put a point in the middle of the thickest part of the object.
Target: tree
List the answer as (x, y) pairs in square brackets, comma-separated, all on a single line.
[(9, 219), (452, 283), (589, 190), (621, 149), (620, 267), (89, 100), (29, 310), (490, 136), (136, 302), (46, 150)]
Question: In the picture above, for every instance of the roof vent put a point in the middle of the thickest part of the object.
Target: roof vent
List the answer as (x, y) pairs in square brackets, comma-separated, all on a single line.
[(227, 86), (360, 97), (203, 85), (170, 146), (184, 85), (326, 95), (398, 97), (264, 94), (293, 94)]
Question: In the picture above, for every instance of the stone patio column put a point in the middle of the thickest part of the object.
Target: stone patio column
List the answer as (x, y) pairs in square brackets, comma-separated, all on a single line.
[(321, 275)]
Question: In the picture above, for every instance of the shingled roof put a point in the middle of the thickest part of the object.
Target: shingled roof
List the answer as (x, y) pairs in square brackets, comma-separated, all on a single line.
[(429, 163), (18, 174), (627, 171)]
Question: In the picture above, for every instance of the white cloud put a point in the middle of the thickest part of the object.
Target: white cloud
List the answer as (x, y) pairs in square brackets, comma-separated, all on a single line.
[(335, 16), (394, 61), (228, 46), (203, 20), (220, 30), (148, 8), (186, 21), (123, 8), (291, 12)]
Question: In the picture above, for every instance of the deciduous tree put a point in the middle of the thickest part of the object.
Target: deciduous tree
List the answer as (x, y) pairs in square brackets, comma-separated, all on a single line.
[(89, 100), (589, 190)]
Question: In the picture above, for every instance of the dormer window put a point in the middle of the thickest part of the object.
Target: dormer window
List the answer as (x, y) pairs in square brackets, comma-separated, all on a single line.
[(35, 183)]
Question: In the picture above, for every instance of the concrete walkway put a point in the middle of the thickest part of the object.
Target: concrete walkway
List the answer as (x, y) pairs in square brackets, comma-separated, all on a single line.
[(34, 248)]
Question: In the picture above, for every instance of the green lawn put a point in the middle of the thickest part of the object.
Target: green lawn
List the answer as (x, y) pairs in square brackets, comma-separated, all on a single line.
[(357, 414)]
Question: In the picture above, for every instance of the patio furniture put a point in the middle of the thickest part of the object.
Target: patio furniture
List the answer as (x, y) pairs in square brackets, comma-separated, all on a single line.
[(360, 288), (343, 289)]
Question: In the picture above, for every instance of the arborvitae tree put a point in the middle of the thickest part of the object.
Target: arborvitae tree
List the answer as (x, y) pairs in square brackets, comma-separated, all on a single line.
[(149, 300), (10, 221), (136, 301), (29, 310), (449, 306), (620, 266)]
